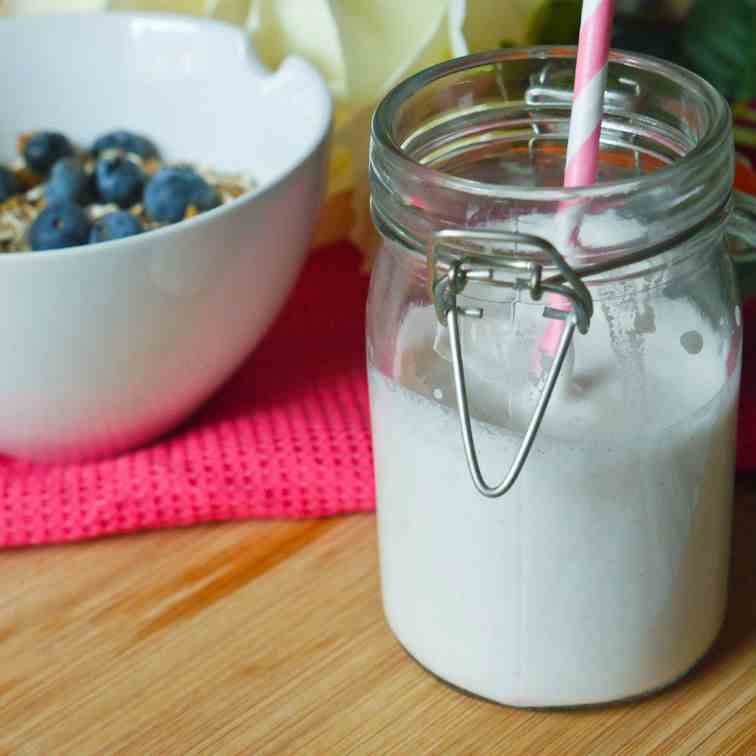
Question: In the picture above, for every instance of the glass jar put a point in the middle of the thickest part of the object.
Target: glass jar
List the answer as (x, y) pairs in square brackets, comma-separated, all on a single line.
[(594, 567)]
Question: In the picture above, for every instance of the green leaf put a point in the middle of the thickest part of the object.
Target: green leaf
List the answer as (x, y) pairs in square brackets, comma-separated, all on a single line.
[(555, 23)]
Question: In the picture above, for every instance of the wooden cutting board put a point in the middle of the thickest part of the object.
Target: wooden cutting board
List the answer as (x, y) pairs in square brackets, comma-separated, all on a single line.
[(268, 638)]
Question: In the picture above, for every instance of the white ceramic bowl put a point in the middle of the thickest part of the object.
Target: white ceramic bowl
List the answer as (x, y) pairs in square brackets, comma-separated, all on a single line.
[(103, 347)]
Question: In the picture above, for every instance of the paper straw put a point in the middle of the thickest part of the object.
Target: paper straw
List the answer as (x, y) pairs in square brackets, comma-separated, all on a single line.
[(588, 96), (583, 143)]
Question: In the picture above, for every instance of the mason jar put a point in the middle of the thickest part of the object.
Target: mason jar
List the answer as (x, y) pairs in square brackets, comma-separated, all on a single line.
[(554, 376)]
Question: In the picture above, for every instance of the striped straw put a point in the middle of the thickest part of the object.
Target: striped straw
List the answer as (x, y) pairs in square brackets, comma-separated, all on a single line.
[(583, 143), (588, 97)]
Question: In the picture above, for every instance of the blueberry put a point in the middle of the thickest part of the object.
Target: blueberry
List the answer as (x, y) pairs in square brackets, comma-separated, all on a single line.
[(172, 190), (43, 148), (115, 225), (69, 182), (63, 224), (127, 141), (9, 184), (119, 180), (206, 197)]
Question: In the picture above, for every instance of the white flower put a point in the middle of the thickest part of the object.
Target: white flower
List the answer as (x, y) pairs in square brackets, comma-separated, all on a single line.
[(13, 7), (365, 47), (235, 11)]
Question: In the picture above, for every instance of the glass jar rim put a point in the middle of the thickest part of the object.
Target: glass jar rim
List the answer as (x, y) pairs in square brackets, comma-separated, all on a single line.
[(716, 132)]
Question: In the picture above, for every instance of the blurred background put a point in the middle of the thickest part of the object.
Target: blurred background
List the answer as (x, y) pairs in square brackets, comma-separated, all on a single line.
[(364, 47)]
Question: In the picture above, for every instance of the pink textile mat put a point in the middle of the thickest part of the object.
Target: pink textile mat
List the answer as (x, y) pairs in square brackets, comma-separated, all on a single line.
[(287, 437)]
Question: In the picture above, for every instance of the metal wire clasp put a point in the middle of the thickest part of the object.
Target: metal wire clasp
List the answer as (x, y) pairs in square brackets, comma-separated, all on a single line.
[(554, 84), (458, 256)]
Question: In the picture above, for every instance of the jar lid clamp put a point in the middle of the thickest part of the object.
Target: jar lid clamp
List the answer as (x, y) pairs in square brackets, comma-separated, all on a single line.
[(458, 256), (478, 264)]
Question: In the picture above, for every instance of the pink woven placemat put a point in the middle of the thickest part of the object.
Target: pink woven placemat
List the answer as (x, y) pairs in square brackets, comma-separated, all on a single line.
[(287, 437)]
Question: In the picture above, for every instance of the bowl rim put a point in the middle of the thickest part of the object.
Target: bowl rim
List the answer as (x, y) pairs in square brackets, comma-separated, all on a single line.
[(125, 17)]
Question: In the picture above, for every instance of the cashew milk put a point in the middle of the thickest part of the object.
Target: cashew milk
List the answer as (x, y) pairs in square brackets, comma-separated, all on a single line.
[(602, 573)]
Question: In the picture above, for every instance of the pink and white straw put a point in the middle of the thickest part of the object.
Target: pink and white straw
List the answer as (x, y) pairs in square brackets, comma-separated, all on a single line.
[(588, 96), (584, 140)]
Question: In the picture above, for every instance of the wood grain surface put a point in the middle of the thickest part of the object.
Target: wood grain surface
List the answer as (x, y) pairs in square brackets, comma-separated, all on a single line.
[(268, 638)]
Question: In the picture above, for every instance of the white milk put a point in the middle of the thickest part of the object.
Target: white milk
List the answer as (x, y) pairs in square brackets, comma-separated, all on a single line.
[(602, 574)]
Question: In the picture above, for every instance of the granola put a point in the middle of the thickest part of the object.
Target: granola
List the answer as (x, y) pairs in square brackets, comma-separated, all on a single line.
[(19, 211)]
